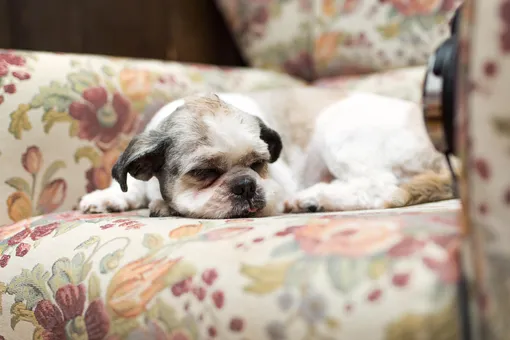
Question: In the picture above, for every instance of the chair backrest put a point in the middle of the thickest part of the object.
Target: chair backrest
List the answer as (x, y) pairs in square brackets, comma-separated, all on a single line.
[(316, 38)]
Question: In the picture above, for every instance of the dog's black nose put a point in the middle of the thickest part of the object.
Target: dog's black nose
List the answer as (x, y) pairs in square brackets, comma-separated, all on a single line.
[(244, 186)]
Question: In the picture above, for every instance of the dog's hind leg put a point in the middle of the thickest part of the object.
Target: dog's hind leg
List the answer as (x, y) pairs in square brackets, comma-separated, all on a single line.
[(356, 194), (423, 188)]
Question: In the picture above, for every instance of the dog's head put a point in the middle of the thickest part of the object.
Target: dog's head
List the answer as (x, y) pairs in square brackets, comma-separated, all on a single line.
[(211, 159)]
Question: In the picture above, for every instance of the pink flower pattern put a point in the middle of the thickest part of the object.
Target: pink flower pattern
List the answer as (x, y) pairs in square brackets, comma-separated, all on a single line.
[(13, 70)]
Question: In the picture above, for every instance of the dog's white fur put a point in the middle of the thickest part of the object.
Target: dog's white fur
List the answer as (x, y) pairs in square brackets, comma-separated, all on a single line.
[(362, 149)]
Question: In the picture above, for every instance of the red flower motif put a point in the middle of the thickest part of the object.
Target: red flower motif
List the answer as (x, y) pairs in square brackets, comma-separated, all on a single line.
[(374, 295), (100, 120), (123, 223), (490, 68), (260, 15), (8, 59), (445, 241), (22, 249), (504, 11), (128, 224), (507, 196), (483, 169), (4, 260), (4, 69), (10, 88), (447, 270), (421, 7), (504, 40), (32, 159), (21, 75), (12, 59), (407, 246), (209, 276), (218, 298), (236, 324), (52, 196), (286, 231), (200, 293), (483, 209), (400, 280), (212, 331), (107, 226), (19, 237), (70, 299), (181, 287), (41, 231)]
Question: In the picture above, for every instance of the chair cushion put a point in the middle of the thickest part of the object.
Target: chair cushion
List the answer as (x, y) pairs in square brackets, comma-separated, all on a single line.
[(367, 275)]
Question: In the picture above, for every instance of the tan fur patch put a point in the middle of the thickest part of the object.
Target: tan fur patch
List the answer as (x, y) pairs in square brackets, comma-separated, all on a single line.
[(206, 104), (426, 187), (264, 172)]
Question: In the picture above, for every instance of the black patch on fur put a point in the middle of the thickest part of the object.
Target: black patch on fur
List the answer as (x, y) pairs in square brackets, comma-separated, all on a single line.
[(143, 158), (272, 139)]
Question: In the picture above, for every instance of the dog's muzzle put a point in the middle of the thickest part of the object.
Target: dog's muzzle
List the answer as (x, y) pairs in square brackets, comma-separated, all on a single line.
[(244, 187)]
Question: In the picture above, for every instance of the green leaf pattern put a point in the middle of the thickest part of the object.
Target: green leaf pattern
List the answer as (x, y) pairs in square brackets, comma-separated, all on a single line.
[(66, 271), (19, 184), (51, 171), (30, 286)]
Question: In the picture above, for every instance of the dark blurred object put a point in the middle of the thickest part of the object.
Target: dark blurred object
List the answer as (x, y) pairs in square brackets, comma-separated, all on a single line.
[(180, 30), (5, 35), (439, 111), (439, 92)]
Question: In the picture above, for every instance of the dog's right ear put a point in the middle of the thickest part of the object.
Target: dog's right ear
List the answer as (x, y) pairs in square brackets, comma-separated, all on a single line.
[(272, 139), (144, 157)]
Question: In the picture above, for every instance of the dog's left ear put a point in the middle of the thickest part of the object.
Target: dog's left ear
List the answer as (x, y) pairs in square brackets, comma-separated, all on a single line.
[(272, 139), (143, 158)]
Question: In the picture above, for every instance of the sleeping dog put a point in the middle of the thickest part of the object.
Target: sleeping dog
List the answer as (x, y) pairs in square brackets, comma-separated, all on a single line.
[(261, 154)]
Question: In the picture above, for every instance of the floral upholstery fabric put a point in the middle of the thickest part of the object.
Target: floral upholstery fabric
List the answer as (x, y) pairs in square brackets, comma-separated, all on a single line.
[(485, 135), (65, 119), (375, 275), (365, 275), (313, 39)]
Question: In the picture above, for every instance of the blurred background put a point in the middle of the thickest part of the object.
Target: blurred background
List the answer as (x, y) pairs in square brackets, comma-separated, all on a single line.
[(187, 31)]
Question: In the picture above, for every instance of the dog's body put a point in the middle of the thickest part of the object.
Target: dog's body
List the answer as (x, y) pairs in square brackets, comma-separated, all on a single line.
[(209, 156)]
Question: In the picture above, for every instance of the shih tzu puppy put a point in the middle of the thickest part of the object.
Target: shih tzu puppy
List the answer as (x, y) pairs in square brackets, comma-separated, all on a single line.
[(261, 154)]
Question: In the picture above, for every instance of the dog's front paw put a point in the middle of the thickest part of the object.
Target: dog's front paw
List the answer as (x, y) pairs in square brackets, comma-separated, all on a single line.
[(103, 201), (304, 202), (159, 208)]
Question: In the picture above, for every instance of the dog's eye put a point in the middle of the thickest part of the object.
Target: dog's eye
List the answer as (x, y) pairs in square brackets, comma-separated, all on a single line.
[(257, 166), (205, 174)]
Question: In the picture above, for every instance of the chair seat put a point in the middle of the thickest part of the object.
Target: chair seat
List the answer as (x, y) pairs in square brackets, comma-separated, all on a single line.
[(361, 275)]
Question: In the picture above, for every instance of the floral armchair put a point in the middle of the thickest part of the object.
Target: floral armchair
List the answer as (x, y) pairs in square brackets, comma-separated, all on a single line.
[(65, 119)]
